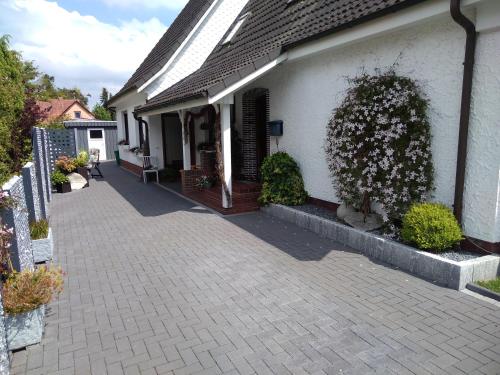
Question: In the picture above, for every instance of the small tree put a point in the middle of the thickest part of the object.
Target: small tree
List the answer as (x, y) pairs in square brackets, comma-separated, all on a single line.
[(101, 113), (378, 145)]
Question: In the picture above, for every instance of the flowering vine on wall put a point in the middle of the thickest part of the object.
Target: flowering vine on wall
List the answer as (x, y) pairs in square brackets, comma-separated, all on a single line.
[(378, 145)]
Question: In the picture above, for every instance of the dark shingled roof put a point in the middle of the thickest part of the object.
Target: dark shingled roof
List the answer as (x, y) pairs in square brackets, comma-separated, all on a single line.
[(167, 45), (271, 28)]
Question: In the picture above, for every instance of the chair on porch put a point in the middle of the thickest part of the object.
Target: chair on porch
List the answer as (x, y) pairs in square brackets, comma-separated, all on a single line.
[(94, 163), (149, 165)]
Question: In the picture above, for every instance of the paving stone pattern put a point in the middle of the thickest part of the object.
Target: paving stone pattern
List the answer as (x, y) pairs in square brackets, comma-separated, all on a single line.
[(156, 285)]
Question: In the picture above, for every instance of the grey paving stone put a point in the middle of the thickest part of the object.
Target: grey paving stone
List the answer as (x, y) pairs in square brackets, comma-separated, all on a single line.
[(156, 286)]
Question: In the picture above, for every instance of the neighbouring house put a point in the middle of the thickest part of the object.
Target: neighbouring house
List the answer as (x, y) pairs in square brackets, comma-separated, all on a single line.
[(95, 134), (234, 66), (66, 109)]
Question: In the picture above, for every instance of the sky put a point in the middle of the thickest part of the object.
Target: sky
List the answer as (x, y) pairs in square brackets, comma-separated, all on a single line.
[(87, 44)]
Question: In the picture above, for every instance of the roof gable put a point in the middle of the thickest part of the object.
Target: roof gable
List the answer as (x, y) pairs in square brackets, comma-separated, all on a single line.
[(167, 45), (272, 28)]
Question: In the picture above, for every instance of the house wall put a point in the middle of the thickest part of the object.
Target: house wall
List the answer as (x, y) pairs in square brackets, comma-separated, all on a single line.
[(84, 112), (128, 104), (303, 94), (200, 44)]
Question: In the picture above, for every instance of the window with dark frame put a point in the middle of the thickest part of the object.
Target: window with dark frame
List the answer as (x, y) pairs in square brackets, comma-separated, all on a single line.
[(78, 114), (96, 134), (125, 125)]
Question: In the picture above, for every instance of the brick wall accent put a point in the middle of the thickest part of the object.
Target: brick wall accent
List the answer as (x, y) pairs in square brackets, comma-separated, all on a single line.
[(190, 178), (207, 161), (135, 169), (249, 168)]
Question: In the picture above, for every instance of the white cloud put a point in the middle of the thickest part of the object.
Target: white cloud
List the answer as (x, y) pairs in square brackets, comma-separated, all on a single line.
[(78, 50), (151, 4)]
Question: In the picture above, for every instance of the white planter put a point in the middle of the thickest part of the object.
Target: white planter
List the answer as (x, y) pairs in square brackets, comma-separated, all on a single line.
[(43, 249), (24, 329)]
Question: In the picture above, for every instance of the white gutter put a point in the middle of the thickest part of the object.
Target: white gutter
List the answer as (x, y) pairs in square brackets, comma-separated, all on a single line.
[(181, 47), (176, 107), (248, 79)]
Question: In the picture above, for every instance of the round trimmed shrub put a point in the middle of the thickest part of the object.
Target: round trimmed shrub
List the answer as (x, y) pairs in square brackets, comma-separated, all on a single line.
[(431, 227), (282, 181)]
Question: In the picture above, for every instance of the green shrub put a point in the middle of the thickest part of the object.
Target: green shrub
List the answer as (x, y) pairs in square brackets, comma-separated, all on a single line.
[(39, 229), (431, 227), (58, 178), (82, 159), (282, 181)]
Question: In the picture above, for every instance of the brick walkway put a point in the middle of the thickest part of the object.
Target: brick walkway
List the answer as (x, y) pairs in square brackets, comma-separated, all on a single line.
[(156, 285)]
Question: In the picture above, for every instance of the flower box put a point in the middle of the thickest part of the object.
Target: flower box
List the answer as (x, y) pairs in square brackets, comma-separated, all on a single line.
[(24, 329), (432, 267), (43, 249), (64, 188)]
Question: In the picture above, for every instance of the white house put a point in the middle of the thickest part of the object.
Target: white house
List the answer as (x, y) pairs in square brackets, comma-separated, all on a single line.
[(288, 60)]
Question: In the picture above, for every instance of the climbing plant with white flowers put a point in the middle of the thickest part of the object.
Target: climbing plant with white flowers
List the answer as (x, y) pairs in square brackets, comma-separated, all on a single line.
[(378, 145)]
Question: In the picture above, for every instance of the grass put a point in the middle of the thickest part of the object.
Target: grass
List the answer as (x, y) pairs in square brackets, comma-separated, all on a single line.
[(39, 229), (493, 285)]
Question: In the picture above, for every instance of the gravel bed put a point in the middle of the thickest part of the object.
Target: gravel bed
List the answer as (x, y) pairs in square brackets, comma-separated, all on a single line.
[(459, 256), (318, 211)]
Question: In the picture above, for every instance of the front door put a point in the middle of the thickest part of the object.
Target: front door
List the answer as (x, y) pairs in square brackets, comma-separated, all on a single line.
[(261, 131), (97, 140)]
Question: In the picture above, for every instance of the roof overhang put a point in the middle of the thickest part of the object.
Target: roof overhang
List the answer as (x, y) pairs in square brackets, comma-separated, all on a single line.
[(174, 107), (118, 97)]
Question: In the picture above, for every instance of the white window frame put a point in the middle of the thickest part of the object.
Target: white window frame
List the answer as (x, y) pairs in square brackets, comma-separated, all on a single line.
[(235, 28)]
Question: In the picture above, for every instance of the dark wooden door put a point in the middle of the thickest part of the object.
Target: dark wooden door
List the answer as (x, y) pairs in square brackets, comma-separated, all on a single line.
[(192, 142), (261, 131)]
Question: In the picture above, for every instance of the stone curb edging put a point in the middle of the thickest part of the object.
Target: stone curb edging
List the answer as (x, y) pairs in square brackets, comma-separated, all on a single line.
[(449, 273), (43, 249), (483, 291)]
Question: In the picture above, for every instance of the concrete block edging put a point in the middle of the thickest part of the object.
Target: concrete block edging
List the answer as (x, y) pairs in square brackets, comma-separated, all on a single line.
[(448, 273), (43, 249)]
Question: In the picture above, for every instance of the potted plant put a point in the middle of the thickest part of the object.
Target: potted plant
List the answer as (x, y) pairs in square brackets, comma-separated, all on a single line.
[(65, 164), (81, 162), (205, 182), (25, 295), (60, 181), (42, 243)]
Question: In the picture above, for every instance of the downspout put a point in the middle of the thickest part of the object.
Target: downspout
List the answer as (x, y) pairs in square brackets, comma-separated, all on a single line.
[(470, 48), (145, 150)]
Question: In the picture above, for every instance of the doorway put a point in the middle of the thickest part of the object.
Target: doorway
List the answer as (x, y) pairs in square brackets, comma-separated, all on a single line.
[(97, 140)]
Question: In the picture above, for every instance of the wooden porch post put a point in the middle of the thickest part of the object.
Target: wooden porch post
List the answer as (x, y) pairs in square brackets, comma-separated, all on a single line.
[(186, 146), (225, 124)]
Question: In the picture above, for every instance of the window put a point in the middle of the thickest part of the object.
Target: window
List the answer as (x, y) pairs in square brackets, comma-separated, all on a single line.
[(78, 114), (235, 28), (125, 126), (96, 134)]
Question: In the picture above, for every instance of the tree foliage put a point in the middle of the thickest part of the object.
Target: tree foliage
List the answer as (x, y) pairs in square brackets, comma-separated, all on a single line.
[(379, 145), (101, 113), (44, 88)]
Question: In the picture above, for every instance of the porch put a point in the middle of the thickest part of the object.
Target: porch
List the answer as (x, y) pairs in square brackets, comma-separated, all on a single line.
[(212, 153)]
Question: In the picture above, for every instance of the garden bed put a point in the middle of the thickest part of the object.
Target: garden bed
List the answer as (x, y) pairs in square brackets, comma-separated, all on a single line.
[(450, 273), (43, 249), (24, 329)]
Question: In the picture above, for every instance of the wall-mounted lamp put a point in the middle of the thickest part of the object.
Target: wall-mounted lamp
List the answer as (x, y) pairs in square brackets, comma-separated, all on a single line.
[(276, 130)]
